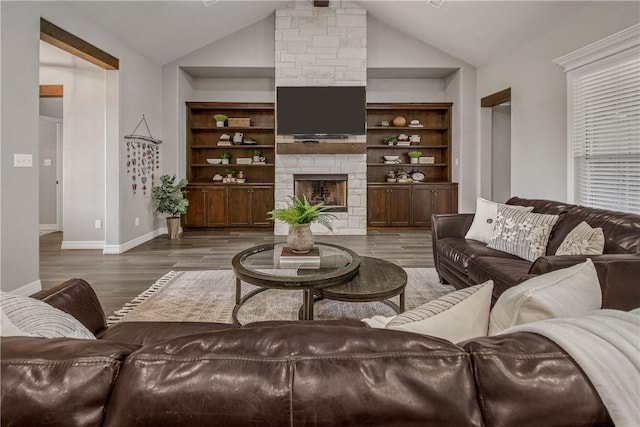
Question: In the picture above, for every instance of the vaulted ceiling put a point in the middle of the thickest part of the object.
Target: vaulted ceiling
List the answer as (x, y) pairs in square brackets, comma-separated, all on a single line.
[(473, 31)]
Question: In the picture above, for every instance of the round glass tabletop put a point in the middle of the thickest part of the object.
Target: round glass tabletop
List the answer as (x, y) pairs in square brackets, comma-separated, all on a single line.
[(266, 265)]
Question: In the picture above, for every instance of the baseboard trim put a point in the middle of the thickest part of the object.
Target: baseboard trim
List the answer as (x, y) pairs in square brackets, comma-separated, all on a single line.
[(48, 227), (118, 249), (83, 244), (29, 288)]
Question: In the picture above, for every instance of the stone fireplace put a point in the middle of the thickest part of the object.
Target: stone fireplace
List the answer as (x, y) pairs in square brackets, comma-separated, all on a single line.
[(323, 46), (329, 189)]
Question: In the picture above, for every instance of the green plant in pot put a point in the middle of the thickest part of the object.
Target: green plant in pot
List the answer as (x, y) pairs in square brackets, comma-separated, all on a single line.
[(300, 214), (390, 140), (220, 118), (225, 158), (413, 156), (170, 199), (256, 155)]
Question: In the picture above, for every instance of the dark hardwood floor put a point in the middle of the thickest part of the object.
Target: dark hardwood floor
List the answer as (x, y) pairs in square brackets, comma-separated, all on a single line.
[(119, 278)]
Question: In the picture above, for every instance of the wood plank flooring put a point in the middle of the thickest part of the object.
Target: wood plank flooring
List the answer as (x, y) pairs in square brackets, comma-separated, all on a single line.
[(119, 278)]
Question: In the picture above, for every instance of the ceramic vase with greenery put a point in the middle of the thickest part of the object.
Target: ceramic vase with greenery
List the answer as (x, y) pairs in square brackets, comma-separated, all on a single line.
[(170, 199), (413, 156), (300, 214), (220, 118), (225, 158)]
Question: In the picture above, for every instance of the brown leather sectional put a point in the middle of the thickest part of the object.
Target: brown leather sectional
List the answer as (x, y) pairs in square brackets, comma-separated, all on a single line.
[(463, 262), (315, 373)]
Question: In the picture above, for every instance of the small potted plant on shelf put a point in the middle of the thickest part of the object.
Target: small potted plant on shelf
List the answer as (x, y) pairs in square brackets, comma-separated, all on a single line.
[(171, 200), (413, 156), (220, 118), (256, 155), (225, 158), (300, 214), (390, 140)]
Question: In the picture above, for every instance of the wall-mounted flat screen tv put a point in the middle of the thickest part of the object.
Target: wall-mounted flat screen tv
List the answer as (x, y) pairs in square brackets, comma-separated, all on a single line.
[(321, 111)]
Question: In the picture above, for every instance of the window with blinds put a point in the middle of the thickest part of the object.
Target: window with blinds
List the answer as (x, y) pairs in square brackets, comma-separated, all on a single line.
[(605, 134)]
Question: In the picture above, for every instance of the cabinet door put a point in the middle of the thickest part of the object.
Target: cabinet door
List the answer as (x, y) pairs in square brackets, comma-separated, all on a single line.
[(239, 206), (377, 206), (216, 207), (444, 199), (195, 216), (399, 206), (421, 206), (261, 203)]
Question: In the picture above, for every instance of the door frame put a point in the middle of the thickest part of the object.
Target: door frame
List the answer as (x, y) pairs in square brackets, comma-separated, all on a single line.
[(484, 163)]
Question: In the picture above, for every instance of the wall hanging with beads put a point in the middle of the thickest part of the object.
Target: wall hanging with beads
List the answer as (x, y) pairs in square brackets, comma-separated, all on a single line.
[(143, 159)]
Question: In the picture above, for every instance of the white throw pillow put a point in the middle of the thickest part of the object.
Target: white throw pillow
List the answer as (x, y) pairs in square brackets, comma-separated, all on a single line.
[(582, 240), (524, 234), (457, 316), (484, 219), (568, 292), (379, 322), (37, 318)]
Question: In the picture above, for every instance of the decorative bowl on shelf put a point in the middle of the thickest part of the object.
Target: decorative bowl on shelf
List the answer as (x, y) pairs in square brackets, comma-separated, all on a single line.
[(391, 158), (214, 161)]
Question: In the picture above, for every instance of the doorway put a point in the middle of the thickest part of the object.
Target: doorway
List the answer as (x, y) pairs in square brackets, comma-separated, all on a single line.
[(495, 147), (50, 168)]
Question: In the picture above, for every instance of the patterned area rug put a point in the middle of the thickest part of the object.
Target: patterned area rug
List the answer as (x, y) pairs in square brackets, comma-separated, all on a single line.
[(209, 296)]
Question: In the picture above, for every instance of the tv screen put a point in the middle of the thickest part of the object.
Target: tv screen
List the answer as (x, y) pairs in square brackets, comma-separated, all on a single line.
[(317, 111)]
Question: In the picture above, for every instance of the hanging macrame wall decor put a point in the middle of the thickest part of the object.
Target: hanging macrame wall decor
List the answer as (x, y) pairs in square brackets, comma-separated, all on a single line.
[(143, 158)]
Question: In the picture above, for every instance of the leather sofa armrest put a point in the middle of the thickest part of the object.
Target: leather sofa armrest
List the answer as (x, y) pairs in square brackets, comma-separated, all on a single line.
[(448, 225), (77, 298), (618, 275)]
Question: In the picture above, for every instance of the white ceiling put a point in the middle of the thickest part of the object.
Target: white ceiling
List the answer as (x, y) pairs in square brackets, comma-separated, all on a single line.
[(473, 31)]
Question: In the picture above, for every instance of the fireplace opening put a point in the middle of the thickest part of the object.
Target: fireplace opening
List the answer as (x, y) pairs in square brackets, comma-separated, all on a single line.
[(328, 189)]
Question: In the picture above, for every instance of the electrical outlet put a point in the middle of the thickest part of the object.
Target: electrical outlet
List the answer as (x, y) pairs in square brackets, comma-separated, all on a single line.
[(98, 223), (137, 221)]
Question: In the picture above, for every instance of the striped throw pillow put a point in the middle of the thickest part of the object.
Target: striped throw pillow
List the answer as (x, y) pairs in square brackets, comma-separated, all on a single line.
[(523, 234), (582, 240), (37, 318), (456, 317)]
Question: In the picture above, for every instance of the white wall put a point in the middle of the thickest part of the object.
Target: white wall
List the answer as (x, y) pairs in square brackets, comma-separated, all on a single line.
[(538, 94), (501, 153), (138, 91)]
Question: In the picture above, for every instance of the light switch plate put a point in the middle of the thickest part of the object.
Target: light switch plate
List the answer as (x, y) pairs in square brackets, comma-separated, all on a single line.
[(47, 162), (22, 161)]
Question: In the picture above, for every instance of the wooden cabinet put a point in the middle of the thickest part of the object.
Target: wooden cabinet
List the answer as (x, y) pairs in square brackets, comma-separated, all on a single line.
[(389, 205), (248, 205), (431, 199), (207, 206), (397, 205), (225, 205)]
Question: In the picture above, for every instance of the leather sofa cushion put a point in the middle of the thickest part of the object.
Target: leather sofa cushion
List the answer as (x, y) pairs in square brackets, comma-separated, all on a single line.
[(458, 251), (297, 375), (505, 272), (621, 230), (518, 374), (58, 381)]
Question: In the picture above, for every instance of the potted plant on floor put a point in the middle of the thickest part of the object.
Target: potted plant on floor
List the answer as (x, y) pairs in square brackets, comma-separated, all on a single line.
[(300, 214), (171, 200)]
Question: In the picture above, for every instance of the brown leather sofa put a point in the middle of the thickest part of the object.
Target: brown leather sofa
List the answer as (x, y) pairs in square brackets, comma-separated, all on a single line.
[(464, 262), (283, 374)]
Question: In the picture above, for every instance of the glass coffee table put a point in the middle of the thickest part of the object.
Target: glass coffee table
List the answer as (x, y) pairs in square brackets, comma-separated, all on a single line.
[(260, 266), (338, 276)]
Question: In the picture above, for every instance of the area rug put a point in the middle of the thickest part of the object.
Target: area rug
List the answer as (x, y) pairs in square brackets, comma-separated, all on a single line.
[(209, 296)]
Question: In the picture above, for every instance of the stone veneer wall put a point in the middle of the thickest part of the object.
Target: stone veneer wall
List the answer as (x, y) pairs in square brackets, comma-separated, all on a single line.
[(323, 46)]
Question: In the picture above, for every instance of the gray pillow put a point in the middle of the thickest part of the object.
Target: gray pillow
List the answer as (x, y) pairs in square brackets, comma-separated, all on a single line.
[(524, 234), (37, 318)]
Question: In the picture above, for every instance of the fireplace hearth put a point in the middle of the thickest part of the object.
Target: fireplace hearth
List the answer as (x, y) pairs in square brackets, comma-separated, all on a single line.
[(330, 189)]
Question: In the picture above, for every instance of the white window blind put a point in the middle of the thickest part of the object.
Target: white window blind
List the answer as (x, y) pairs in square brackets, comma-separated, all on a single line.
[(605, 134)]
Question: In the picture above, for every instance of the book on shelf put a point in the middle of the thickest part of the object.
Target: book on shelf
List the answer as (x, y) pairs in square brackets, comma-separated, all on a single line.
[(224, 143)]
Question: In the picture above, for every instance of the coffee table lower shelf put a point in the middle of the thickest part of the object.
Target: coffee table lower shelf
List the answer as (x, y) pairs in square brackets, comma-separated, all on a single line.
[(376, 280)]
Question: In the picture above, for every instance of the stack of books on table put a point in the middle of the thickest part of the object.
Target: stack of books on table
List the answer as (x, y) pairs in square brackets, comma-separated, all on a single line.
[(290, 259)]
